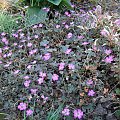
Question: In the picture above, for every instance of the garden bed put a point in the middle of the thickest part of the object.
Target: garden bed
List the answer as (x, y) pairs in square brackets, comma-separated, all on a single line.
[(63, 68)]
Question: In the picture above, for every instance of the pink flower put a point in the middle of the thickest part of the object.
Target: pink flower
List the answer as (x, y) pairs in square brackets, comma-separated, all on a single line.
[(15, 44), (72, 6), (28, 37), (23, 41), (57, 26), (5, 55), (33, 51), (85, 43), (34, 62), (20, 46), (40, 80), (107, 52), (71, 67), (117, 22), (47, 56), (67, 14), (36, 36), (71, 23), (44, 98), (9, 54), (19, 30), (69, 35), (109, 59), (78, 114), (98, 10), (66, 112), (26, 77), (94, 48), (29, 112), (29, 66), (21, 35), (27, 83), (46, 9), (5, 41), (80, 37), (63, 23), (91, 93), (68, 51), (33, 91), (89, 82), (6, 48), (8, 64), (43, 75), (61, 66), (104, 32), (40, 25), (55, 77), (0, 50), (66, 26), (3, 34), (29, 44), (16, 72), (15, 35), (56, 14), (35, 26), (22, 106)]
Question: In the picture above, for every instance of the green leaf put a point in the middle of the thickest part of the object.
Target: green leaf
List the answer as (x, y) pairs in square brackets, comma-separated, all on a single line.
[(55, 2), (34, 16), (117, 113), (117, 91)]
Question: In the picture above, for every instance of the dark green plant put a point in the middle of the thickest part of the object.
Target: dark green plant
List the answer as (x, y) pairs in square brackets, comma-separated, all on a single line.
[(48, 3), (34, 13)]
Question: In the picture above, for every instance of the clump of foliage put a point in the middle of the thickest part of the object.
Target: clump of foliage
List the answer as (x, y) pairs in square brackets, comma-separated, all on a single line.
[(38, 10), (64, 64), (8, 22)]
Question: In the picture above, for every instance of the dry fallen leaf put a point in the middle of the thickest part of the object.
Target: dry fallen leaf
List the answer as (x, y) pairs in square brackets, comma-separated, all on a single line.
[(105, 91)]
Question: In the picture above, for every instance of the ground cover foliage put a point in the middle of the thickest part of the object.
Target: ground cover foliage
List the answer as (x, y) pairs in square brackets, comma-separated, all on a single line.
[(64, 68)]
